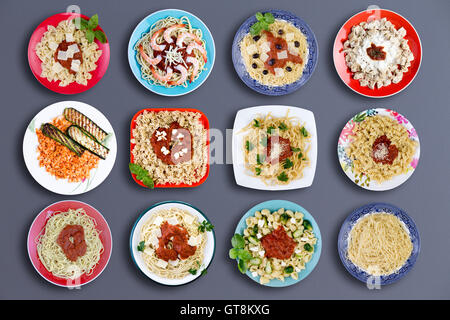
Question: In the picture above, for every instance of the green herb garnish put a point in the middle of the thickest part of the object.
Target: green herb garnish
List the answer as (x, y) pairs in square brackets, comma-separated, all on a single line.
[(285, 217), (270, 130), (193, 271), (141, 246), (255, 123), (258, 171), (89, 26), (295, 149), (288, 163), (141, 175), (300, 155), (238, 252), (260, 159), (282, 127), (264, 20), (289, 269), (304, 131), (205, 225), (308, 247), (283, 177), (307, 225), (249, 146)]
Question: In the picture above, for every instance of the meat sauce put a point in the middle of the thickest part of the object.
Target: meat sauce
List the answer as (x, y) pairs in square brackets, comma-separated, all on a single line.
[(63, 46), (173, 243), (383, 151), (169, 46), (278, 244), (278, 45), (283, 146), (72, 242), (175, 140), (376, 53)]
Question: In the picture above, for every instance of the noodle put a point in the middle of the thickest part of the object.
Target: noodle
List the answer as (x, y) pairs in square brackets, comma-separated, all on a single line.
[(179, 268), (53, 257), (145, 41), (255, 148), (379, 244)]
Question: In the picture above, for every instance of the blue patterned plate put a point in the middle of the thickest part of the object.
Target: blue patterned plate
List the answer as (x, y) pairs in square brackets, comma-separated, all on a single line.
[(347, 226), (239, 65), (274, 205), (144, 26)]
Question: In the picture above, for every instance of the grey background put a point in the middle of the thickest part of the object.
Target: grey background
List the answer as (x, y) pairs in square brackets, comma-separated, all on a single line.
[(330, 199)]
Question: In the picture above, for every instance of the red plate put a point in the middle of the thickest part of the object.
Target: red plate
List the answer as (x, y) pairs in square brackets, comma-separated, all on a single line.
[(35, 62), (203, 120), (37, 227), (345, 73)]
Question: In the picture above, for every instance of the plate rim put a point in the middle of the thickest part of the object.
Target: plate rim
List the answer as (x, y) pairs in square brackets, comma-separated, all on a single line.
[(149, 86), (133, 229)]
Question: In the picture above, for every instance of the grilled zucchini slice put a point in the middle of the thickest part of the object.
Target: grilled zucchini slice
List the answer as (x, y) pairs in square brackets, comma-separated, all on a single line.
[(87, 141), (79, 119), (54, 133)]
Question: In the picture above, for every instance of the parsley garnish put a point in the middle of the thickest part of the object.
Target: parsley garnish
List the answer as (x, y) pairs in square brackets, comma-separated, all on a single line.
[(249, 146), (283, 177), (141, 246), (288, 163), (304, 132), (282, 126), (255, 123), (294, 149), (270, 130), (260, 159), (258, 171), (205, 225)]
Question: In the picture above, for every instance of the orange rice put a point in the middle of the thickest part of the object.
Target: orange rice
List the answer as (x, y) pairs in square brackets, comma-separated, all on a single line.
[(61, 162)]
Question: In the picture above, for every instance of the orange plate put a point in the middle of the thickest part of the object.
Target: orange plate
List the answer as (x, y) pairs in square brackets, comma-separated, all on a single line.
[(204, 121)]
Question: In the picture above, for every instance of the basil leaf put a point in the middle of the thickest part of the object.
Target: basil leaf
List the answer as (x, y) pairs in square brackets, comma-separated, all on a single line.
[(255, 29), (238, 241), (93, 22), (100, 35), (259, 16), (269, 18), (242, 266), (233, 253), (244, 255), (90, 35), (148, 182), (80, 23)]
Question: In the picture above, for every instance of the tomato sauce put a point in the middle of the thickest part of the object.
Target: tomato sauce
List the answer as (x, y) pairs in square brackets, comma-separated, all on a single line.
[(63, 46), (72, 242), (284, 146), (278, 244), (169, 46), (175, 142), (278, 45), (383, 151), (173, 243)]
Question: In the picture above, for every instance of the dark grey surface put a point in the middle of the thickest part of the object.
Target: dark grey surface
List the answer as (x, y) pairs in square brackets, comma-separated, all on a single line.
[(330, 199)]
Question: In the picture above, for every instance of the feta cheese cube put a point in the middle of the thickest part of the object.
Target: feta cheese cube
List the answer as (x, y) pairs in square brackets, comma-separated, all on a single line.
[(161, 263), (282, 55)]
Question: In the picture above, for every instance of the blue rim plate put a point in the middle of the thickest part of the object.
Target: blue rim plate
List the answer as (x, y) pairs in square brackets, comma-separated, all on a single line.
[(144, 26), (274, 205), (347, 226), (239, 64), (210, 248)]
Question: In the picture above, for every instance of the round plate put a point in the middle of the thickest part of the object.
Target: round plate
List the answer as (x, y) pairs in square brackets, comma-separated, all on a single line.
[(35, 62), (274, 205), (347, 164), (347, 226), (37, 227), (210, 247), (346, 75), (62, 186), (239, 64), (144, 27)]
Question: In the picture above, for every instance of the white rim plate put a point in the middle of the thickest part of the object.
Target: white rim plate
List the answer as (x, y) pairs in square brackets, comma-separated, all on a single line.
[(243, 117), (62, 186)]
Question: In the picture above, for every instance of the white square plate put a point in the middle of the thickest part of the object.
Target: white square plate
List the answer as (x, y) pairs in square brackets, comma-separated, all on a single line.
[(242, 175)]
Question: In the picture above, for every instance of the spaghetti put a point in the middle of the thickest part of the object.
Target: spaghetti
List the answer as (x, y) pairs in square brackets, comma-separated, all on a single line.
[(379, 244), (52, 255)]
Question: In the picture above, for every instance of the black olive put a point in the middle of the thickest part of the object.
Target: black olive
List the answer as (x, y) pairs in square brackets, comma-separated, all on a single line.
[(255, 56), (254, 66), (256, 38), (288, 69), (280, 32), (297, 44), (265, 72), (271, 62), (278, 46)]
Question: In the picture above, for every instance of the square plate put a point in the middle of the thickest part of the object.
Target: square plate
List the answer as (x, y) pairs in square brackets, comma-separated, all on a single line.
[(243, 117)]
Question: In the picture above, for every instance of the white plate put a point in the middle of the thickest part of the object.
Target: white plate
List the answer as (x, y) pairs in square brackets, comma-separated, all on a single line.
[(242, 175), (347, 163), (63, 186), (135, 239)]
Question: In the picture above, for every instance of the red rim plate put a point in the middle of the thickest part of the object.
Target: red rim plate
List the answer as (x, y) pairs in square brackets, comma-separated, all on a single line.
[(35, 62), (346, 75), (203, 120), (40, 222)]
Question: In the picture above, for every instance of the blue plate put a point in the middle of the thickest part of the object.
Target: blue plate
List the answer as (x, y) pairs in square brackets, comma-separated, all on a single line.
[(144, 26), (274, 205), (368, 209), (279, 90)]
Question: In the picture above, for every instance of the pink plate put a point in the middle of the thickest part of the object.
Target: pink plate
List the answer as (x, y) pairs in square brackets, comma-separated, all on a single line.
[(345, 73), (35, 62), (37, 227)]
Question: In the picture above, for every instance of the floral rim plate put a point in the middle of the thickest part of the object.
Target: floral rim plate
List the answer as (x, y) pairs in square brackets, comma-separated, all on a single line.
[(239, 64), (347, 226), (346, 163), (210, 248), (62, 186), (242, 175), (274, 205), (144, 26)]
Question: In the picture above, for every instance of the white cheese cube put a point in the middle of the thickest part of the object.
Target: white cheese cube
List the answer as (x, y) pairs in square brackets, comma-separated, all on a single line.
[(174, 263), (75, 65), (254, 274), (289, 36), (158, 220), (282, 55), (264, 56), (261, 223), (69, 37), (57, 67), (53, 45), (259, 235), (162, 264), (172, 221), (251, 49), (265, 47), (73, 48), (279, 72), (62, 55)]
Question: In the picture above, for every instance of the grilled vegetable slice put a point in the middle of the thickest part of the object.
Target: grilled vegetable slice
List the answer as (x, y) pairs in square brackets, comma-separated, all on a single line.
[(54, 133), (79, 119), (87, 141)]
